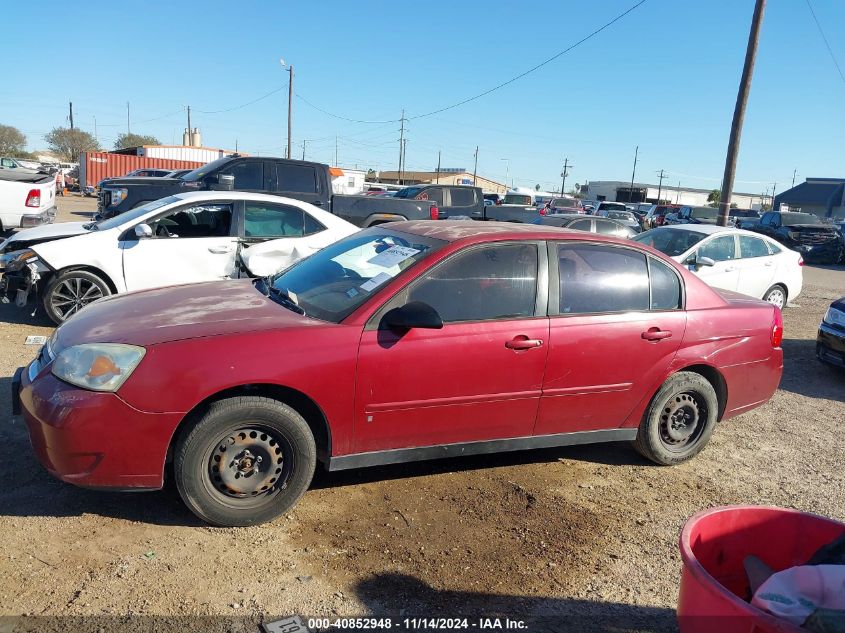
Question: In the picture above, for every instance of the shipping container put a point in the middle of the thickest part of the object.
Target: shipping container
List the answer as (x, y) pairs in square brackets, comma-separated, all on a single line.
[(96, 166), (180, 152)]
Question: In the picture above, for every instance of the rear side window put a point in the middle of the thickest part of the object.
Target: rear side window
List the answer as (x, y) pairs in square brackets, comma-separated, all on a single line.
[(462, 197), (248, 175), (774, 249), (482, 284), (298, 178), (665, 286), (582, 225), (607, 228), (272, 220), (601, 279), (752, 247)]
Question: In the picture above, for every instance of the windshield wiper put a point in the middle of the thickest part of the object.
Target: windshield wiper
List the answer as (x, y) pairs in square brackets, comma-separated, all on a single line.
[(284, 298)]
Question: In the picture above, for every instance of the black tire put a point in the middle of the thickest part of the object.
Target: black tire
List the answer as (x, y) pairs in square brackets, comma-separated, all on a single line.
[(774, 293), (679, 421), (71, 290), (272, 443)]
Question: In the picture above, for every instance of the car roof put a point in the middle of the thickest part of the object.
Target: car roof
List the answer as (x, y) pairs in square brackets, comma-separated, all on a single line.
[(701, 228), (568, 216), (233, 195), (475, 231)]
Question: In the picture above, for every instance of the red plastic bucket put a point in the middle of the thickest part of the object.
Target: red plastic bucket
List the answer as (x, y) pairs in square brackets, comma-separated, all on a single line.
[(714, 588)]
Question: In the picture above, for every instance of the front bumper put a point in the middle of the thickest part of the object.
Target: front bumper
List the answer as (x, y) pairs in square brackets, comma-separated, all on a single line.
[(92, 439), (830, 345), (37, 219), (825, 252)]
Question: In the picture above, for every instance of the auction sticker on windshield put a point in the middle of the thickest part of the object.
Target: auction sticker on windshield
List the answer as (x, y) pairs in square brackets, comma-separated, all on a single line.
[(377, 280), (392, 256)]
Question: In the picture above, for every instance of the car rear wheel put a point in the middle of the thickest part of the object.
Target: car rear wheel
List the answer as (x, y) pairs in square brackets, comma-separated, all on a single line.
[(679, 420), (776, 295), (70, 291), (246, 461)]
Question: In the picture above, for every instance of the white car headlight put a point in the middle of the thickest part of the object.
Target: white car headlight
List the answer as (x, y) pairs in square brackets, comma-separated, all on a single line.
[(16, 260), (97, 366), (834, 316)]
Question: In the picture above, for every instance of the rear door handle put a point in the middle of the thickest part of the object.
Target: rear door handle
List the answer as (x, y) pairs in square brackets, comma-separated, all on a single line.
[(656, 334), (219, 250), (523, 342)]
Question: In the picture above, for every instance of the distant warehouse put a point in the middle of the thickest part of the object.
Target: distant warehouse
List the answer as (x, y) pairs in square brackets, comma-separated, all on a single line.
[(620, 191), (824, 197), (446, 176)]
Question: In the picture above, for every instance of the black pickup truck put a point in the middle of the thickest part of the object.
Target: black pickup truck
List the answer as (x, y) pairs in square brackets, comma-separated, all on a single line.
[(803, 232), (300, 180)]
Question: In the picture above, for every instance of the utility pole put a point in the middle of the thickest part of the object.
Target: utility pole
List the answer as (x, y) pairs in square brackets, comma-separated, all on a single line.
[(633, 173), (236, 146), (404, 156), (290, 110), (438, 167), (128, 131), (774, 188), (739, 113), (70, 103), (96, 138), (660, 185), (475, 169), (564, 174), (190, 129), (335, 150), (794, 173), (303, 148), (678, 195), (401, 145)]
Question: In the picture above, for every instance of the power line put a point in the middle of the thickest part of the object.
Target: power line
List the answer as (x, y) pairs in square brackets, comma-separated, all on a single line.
[(494, 88), (826, 43), (243, 105)]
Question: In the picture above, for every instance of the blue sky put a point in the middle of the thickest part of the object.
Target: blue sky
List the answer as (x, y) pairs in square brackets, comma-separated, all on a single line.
[(664, 78)]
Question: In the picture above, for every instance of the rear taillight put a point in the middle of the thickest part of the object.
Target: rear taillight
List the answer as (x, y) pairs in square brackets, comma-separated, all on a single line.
[(33, 198), (777, 328), (800, 261), (544, 211), (434, 212)]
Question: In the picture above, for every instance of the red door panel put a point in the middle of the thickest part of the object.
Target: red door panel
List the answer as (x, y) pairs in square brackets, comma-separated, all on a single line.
[(465, 382), (600, 366)]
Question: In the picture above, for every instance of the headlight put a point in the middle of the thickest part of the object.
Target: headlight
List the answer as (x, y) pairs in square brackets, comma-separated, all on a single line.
[(117, 196), (16, 260), (834, 316), (97, 366)]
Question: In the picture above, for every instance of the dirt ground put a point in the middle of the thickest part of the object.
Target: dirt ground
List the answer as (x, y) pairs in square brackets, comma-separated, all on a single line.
[(586, 534)]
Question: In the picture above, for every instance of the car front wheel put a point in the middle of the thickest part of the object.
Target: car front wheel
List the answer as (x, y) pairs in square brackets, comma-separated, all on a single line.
[(246, 461), (679, 420), (70, 291)]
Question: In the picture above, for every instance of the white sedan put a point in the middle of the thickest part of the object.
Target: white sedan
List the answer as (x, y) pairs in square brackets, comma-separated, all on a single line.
[(732, 259), (186, 238)]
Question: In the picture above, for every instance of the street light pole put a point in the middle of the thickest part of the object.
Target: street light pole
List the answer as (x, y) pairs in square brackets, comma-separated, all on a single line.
[(507, 170), (290, 104)]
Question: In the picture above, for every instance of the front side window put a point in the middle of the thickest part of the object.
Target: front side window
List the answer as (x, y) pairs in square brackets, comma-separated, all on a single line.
[(248, 175), (201, 220), (272, 220), (752, 247), (601, 279), (670, 241), (719, 249), (489, 282), (335, 281)]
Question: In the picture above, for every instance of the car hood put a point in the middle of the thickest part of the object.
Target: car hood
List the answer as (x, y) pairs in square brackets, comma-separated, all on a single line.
[(149, 317), (44, 233), (839, 304)]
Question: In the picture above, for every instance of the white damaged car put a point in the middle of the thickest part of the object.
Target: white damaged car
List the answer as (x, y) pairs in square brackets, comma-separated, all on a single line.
[(185, 238)]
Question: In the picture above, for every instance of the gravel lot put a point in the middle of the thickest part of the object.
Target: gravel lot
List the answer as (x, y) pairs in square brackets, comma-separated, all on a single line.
[(584, 531)]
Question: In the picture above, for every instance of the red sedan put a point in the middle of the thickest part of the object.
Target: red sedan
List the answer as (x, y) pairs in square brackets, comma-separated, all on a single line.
[(402, 342)]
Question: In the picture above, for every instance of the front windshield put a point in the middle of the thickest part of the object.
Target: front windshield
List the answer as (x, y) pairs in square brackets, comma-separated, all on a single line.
[(706, 213), (201, 172), (788, 219), (615, 206), (517, 198), (620, 215), (133, 214), (565, 202), (672, 242), (334, 282)]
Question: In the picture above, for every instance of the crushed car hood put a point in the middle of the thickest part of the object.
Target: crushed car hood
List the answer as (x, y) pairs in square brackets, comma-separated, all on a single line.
[(176, 313), (39, 234)]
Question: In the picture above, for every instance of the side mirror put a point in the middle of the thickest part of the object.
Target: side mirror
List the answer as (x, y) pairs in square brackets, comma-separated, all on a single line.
[(222, 182), (143, 230), (704, 261), (414, 314)]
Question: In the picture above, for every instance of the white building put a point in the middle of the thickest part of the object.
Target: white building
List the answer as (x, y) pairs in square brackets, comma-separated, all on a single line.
[(350, 181), (620, 191)]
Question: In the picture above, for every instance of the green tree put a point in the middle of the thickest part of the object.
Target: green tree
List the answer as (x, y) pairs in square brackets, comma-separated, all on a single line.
[(68, 143), (12, 141), (135, 140), (714, 197), (536, 187)]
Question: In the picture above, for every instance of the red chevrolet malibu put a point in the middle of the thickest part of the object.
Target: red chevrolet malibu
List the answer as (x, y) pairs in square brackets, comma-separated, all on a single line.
[(403, 342)]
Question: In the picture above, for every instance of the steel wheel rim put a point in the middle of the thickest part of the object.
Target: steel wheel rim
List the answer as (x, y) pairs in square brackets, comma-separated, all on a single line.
[(73, 294), (249, 465), (776, 297), (682, 421)]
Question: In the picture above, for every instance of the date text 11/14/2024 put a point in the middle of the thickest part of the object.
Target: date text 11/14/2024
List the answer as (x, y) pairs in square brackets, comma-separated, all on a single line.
[(296, 624)]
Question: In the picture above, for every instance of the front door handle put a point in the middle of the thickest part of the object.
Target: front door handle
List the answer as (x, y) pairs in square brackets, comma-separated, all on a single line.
[(523, 342), (219, 250), (656, 334)]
